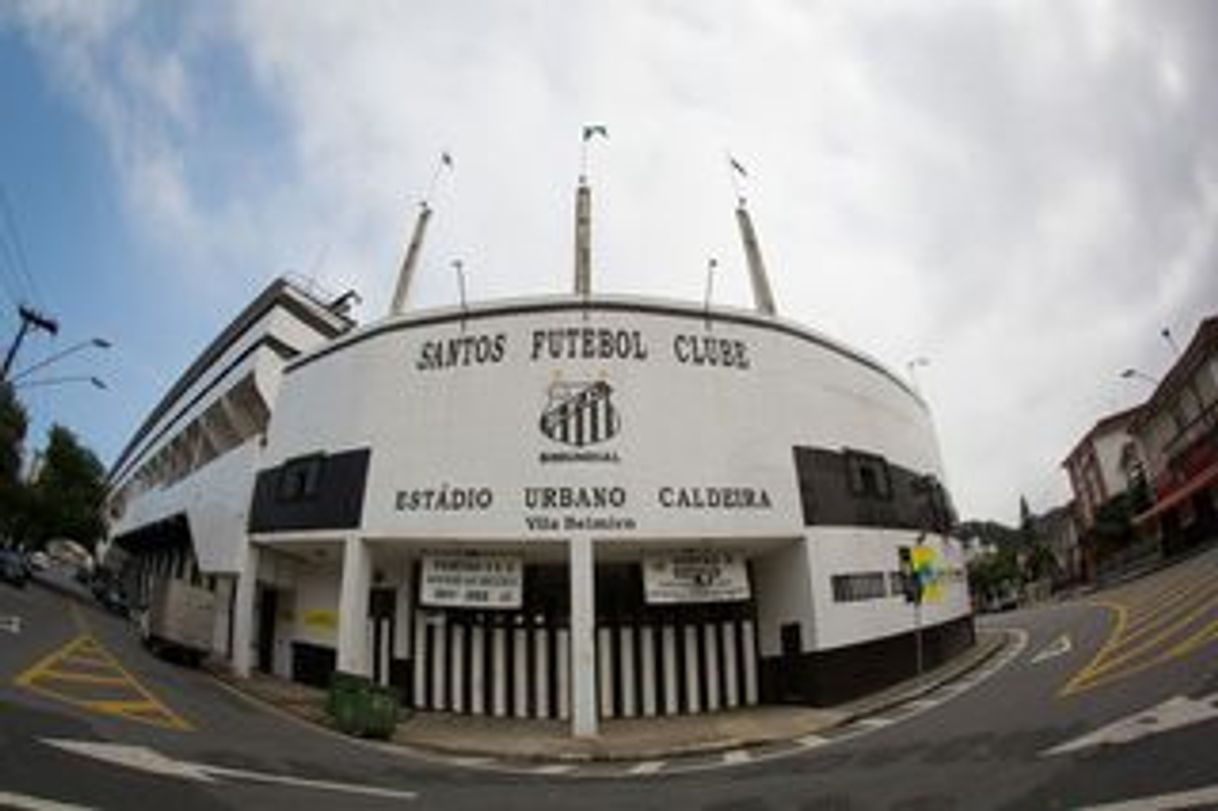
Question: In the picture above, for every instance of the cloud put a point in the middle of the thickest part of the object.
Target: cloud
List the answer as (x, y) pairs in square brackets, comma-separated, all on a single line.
[(1025, 193)]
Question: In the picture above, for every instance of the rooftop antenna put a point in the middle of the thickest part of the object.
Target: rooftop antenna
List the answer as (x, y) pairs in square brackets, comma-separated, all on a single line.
[(583, 214), (711, 264), (763, 298), (459, 268), (411, 260)]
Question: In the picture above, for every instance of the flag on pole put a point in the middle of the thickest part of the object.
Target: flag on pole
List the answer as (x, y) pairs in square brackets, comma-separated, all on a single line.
[(595, 129)]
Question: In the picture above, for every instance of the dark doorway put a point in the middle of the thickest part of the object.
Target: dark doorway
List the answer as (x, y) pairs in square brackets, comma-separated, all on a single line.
[(792, 649), (267, 611), (382, 607)]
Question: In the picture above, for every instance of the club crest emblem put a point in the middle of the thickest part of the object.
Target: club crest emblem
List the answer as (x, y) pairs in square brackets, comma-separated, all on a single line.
[(580, 413)]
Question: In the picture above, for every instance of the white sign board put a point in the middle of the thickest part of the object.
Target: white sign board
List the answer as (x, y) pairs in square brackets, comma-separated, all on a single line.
[(701, 576), (472, 581)]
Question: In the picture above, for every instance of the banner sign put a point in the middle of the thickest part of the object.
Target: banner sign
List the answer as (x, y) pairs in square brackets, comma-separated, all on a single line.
[(701, 576), (472, 581)]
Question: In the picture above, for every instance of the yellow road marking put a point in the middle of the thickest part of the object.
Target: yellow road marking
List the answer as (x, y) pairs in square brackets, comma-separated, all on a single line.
[(1177, 626), (1148, 616), (81, 678), (144, 707), (1158, 611)]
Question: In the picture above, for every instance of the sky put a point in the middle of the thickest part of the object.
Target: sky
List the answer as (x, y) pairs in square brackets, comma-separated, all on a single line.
[(1025, 194)]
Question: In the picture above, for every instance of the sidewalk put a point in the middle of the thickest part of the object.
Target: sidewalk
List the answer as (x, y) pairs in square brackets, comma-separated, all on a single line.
[(623, 739)]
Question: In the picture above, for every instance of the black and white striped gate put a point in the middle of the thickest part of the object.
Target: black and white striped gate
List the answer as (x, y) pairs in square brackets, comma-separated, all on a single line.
[(512, 664)]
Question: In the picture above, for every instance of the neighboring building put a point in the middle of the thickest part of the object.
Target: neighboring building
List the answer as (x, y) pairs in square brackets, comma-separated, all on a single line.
[(974, 547), (1177, 429), (1059, 529), (1102, 465), (179, 492)]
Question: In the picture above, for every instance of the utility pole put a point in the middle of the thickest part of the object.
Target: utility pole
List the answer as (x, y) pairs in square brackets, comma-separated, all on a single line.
[(29, 319)]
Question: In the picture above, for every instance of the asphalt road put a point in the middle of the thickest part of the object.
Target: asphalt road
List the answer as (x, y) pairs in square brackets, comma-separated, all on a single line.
[(75, 674)]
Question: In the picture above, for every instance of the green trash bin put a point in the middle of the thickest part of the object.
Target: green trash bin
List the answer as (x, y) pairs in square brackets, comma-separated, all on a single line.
[(348, 702), (381, 708)]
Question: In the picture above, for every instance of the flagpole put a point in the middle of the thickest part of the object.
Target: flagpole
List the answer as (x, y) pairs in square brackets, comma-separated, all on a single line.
[(415, 247), (711, 264)]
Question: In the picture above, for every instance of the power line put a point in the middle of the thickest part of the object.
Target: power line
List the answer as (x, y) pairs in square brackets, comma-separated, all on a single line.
[(9, 263), (15, 236)]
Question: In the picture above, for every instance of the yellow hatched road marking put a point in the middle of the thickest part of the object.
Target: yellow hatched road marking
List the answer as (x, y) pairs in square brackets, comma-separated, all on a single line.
[(81, 678), (1163, 635), (144, 707), (1148, 617), (1153, 615)]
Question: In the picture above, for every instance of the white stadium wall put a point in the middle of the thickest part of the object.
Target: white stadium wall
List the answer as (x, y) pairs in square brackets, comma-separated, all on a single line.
[(649, 427)]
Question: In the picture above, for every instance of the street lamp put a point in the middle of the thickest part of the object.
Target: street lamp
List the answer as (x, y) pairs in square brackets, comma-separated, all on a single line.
[(99, 343), (1129, 374), (96, 382)]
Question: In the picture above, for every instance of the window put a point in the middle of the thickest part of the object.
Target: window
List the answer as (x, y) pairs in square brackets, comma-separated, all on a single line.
[(868, 475), (858, 586), (300, 478)]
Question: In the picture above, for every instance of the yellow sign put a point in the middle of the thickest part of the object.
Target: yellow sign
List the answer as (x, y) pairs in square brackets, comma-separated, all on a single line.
[(929, 572), (320, 618)]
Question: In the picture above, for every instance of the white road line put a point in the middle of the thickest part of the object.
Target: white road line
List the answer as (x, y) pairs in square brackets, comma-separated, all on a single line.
[(149, 760), (24, 802), (554, 768), (1058, 647), (922, 704), (1197, 798), (872, 723), (647, 767), (10, 623), (736, 756), (1175, 712), (300, 782), (811, 741)]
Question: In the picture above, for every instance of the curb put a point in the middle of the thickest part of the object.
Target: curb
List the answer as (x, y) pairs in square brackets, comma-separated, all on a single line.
[(578, 758)]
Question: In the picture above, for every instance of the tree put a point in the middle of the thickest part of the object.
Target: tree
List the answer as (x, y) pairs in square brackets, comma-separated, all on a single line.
[(13, 423), (67, 494)]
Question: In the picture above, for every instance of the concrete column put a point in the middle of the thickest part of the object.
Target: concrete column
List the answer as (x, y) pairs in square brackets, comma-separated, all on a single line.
[(353, 607), (582, 562), (243, 612)]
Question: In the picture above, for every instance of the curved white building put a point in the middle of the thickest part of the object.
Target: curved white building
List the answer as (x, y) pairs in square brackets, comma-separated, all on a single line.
[(582, 507)]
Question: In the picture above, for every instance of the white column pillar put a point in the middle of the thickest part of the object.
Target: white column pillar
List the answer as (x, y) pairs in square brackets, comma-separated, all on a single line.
[(731, 664), (604, 663), (457, 639), (710, 642), (439, 662), (647, 663), (626, 668), (749, 644), (477, 671), (499, 671), (562, 672), (582, 564), (693, 671), (520, 672), (541, 672), (353, 607), (243, 612), (668, 636), (419, 637)]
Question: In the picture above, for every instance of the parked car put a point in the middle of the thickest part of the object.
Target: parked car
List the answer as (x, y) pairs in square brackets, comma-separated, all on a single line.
[(39, 561), (12, 568)]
